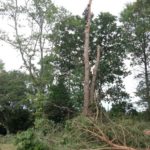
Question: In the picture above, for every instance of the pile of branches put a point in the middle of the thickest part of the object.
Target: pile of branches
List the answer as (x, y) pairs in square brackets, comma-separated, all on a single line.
[(113, 136)]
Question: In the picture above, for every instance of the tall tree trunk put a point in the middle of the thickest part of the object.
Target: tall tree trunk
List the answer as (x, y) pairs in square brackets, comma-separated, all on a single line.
[(146, 73), (86, 61)]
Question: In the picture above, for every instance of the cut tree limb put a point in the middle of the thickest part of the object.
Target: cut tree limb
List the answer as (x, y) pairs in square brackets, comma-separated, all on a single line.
[(99, 134)]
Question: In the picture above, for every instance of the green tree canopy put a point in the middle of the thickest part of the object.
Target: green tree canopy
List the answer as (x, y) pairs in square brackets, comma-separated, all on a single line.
[(14, 113), (136, 24), (68, 45)]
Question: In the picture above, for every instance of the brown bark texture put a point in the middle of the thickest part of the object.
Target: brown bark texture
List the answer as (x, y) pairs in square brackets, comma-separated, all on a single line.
[(86, 62)]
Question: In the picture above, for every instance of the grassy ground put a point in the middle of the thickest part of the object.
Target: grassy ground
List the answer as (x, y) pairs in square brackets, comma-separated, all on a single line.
[(7, 147), (6, 142)]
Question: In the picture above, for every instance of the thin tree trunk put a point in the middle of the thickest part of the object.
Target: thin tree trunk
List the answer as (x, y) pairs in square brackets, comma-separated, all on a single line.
[(41, 50), (146, 73), (146, 79), (86, 62), (28, 67), (92, 89)]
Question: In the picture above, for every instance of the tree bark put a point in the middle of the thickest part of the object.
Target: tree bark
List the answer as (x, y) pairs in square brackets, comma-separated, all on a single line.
[(86, 62), (92, 89), (146, 73)]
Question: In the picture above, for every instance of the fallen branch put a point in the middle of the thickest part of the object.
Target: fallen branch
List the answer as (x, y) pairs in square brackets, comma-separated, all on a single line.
[(63, 108), (98, 133)]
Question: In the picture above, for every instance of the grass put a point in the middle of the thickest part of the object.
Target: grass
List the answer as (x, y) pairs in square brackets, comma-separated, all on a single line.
[(7, 147), (6, 142)]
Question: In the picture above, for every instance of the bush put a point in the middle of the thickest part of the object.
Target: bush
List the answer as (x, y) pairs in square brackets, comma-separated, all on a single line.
[(45, 126), (28, 141)]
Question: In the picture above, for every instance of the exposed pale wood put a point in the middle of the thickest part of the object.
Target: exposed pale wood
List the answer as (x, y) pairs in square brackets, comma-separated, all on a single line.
[(92, 89), (86, 63)]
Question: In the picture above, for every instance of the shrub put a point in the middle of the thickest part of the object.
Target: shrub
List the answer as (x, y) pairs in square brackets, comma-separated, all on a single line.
[(28, 141), (45, 126)]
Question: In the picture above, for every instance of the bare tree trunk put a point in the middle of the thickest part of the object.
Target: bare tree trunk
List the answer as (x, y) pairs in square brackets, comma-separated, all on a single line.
[(86, 62), (92, 89), (147, 95), (27, 58), (19, 42)]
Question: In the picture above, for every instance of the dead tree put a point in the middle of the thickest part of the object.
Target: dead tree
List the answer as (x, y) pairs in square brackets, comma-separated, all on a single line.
[(86, 62), (89, 91), (93, 82)]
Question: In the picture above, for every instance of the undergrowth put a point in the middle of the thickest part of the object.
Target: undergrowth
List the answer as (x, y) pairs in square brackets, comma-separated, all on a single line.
[(7, 139), (122, 132), (74, 134)]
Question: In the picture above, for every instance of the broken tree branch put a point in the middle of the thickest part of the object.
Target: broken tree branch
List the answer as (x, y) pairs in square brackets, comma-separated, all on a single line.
[(92, 90)]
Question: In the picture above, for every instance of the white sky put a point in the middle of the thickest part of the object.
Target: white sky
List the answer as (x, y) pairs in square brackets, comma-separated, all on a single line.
[(78, 6), (12, 59)]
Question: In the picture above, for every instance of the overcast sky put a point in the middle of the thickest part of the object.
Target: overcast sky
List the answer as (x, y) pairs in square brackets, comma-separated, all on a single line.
[(12, 59), (77, 6)]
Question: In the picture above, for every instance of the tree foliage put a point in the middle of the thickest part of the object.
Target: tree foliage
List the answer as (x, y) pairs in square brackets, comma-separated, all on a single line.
[(37, 17), (14, 113), (59, 107), (136, 24), (69, 45)]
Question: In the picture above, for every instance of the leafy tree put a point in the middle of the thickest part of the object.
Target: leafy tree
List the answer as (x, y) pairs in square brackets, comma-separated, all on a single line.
[(68, 46), (14, 113), (59, 107), (37, 17), (123, 108), (106, 33), (69, 49), (136, 23)]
